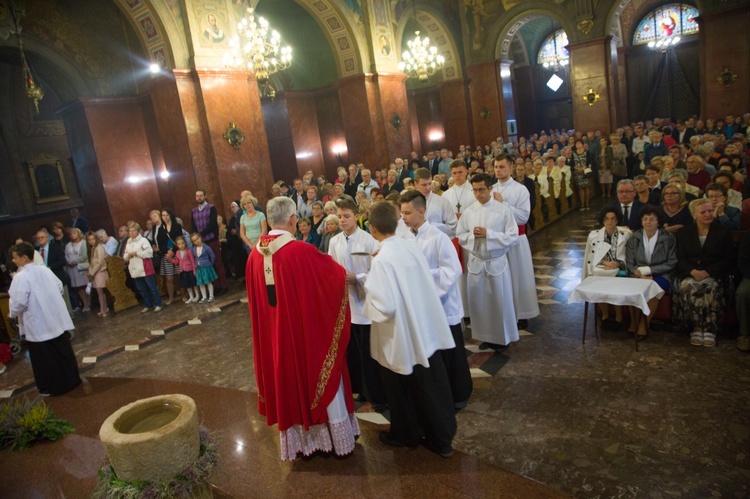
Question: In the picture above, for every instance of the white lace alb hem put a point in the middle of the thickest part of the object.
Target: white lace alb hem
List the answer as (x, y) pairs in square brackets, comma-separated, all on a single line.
[(327, 437)]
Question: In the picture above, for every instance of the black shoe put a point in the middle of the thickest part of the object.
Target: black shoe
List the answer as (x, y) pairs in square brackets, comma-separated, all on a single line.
[(443, 452), (492, 346), (393, 443), (523, 324), (457, 406)]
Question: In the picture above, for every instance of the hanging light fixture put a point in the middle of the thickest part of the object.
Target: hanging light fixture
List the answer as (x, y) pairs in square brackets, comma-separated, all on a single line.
[(257, 47), (421, 60), (34, 92)]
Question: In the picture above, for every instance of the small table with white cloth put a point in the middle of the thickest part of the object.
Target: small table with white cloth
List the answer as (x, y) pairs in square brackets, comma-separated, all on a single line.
[(621, 291)]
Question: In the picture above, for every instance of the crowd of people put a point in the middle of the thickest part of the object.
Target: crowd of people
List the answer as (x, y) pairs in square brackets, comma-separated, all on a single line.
[(680, 191)]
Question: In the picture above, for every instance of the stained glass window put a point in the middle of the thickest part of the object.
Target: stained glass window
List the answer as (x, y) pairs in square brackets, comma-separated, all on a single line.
[(666, 23), (553, 50)]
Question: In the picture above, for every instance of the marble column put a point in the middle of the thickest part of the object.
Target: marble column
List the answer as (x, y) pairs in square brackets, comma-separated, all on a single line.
[(456, 110), (486, 97), (113, 159), (720, 51), (303, 122), (591, 67)]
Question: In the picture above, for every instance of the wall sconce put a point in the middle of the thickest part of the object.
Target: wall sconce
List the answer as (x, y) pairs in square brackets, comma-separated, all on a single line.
[(165, 176), (435, 137), (339, 150)]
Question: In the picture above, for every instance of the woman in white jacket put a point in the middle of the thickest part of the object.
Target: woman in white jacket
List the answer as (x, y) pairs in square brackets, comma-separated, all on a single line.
[(138, 253), (606, 254)]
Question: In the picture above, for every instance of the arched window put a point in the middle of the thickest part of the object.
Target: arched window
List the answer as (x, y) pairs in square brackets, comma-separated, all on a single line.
[(667, 23), (553, 51)]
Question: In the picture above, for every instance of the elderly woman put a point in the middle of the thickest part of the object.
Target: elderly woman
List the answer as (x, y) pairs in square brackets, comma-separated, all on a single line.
[(702, 265), (138, 254), (76, 255), (674, 211), (316, 221), (605, 253), (252, 223), (726, 215), (331, 229), (725, 178), (651, 254), (306, 234)]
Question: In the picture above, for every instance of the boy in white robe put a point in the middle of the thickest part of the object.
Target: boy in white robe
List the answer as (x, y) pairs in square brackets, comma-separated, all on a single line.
[(35, 297), (439, 210), (352, 249), (408, 333), (515, 197), (445, 268), (487, 230), (461, 197)]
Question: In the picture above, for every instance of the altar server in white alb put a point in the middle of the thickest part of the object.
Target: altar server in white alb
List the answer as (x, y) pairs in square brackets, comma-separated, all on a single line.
[(36, 299), (460, 197), (439, 210), (407, 336), (515, 197), (445, 268), (487, 230)]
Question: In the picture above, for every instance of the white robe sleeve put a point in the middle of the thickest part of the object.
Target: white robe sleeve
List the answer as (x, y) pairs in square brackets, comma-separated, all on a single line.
[(498, 240), (449, 268), (20, 290), (380, 303), (465, 233)]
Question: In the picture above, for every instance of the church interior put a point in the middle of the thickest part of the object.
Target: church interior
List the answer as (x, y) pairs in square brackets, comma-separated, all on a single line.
[(119, 107)]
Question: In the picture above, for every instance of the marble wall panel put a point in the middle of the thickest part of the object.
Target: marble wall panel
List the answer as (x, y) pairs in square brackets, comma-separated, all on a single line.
[(171, 127), (589, 68), (719, 51), (165, 199), (279, 135), (393, 102), (306, 134), (379, 122), (358, 125), (455, 107), (196, 128), (331, 129), (233, 97), (416, 138), (526, 115), (485, 95), (622, 77), (428, 106)]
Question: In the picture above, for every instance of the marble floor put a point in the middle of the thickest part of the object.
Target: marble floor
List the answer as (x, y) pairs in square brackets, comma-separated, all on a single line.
[(589, 420)]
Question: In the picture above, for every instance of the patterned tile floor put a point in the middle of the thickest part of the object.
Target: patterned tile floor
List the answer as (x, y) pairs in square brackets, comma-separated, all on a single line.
[(593, 420)]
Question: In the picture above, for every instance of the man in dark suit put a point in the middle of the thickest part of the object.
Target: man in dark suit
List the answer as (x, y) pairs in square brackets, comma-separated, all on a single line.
[(54, 258), (627, 206), (401, 171), (78, 222), (433, 162), (682, 133)]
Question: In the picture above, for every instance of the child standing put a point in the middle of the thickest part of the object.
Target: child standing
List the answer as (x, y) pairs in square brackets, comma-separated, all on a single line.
[(582, 176), (184, 258), (205, 275)]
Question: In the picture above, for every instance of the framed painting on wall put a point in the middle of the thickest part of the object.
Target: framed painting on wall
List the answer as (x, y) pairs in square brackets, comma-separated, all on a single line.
[(47, 179)]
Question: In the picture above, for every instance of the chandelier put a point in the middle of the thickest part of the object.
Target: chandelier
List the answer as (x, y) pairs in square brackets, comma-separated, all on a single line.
[(258, 48), (421, 60), (33, 91)]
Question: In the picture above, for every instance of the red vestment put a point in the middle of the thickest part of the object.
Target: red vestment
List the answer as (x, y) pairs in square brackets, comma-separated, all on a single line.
[(300, 343)]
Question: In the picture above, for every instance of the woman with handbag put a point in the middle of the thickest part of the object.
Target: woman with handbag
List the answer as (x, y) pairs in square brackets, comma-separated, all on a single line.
[(165, 232), (605, 254), (76, 254), (138, 253)]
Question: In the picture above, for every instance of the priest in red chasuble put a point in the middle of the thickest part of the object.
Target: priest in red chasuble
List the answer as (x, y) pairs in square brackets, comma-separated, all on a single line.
[(299, 310)]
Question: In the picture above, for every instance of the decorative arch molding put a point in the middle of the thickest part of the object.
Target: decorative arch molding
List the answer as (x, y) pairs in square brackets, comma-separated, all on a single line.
[(337, 26), (507, 26), (623, 16), (434, 27), (147, 23)]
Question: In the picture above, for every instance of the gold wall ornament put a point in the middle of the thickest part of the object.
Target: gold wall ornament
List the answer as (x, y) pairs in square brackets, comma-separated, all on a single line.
[(726, 77), (396, 121), (585, 26), (485, 113), (590, 97), (234, 136)]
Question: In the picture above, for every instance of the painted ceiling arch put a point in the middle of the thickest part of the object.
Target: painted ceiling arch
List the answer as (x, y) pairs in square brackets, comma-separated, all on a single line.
[(432, 25), (508, 25), (152, 34)]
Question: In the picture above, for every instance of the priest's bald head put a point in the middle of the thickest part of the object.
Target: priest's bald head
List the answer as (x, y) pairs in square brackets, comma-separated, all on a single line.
[(282, 214)]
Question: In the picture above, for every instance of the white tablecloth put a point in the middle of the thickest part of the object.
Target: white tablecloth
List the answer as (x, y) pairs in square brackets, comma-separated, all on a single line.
[(617, 291)]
